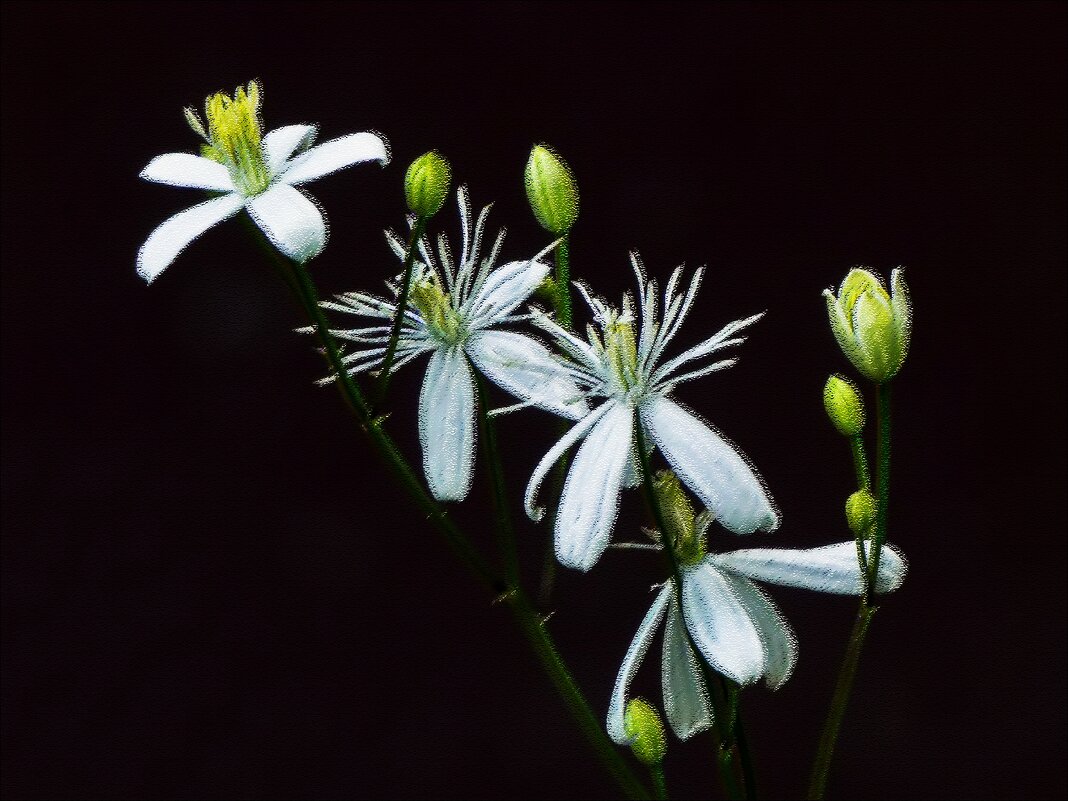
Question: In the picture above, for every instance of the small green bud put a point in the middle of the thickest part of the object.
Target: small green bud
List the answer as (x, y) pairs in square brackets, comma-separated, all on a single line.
[(873, 327), (844, 406), (546, 291), (642, 722), (860, 512), (677, 511), (426, 184), (551, 190)]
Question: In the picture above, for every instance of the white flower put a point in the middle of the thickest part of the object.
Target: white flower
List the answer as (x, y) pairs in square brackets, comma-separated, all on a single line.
[(256, 175), (451, 313), (627, 372), (736, 627)]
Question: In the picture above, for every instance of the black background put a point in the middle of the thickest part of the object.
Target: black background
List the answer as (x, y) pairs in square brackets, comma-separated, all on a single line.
[(211, 589)]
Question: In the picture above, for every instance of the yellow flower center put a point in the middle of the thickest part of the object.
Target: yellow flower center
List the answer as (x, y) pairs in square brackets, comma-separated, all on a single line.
[(233, 137), (621, 349), (436, 309)]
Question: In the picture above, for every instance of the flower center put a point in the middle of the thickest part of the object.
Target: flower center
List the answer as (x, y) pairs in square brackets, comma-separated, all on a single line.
[(621, 350), (436, 309), (233, 137)]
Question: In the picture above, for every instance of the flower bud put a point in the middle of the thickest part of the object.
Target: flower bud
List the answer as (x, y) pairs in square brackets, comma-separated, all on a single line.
[(551, 190), (426, 184), (872, 327), (643, 727), (860, 512), (844, 405), (677, 511)]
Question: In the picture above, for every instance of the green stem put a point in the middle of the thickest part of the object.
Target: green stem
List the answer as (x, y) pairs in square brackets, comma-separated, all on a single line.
[(725, 760), (829, 737), (748, 773), (563, 282), (529, 621), (492, 454), (882, 477), (402, 307), (659, 782), (860, 462)]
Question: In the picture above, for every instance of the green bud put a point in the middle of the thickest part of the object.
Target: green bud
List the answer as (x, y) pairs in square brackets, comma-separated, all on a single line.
[(677, 511), (844, 405), (872, 327), (860, 512), (426, 184), (551, 190), (642, 722)]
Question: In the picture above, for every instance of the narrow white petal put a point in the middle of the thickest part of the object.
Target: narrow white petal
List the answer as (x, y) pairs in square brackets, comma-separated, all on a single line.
[(187, 170), (832, 568), (720, 624), (526, 368), (780, 642), (336, 155), (447, 424), (590, 500), (171, 238), (504, 289), (631, 662), (710, 466), (686, 701), (279, 144), (291, 221), (574, 434)]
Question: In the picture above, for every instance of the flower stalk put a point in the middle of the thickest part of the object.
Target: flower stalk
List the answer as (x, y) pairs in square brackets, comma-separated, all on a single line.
[(402, 304)]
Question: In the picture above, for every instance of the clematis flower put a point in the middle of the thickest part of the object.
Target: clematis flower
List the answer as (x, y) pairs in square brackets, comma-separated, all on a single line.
[(255, 172), (452, 313), (736, 627), (625, 368)]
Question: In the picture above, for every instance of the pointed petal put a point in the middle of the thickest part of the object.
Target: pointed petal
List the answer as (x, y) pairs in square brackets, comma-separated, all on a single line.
[(336, 155), (187, 170), (710, 466), (590, 500), (574, 434), (635, 654), (279, 144), (447, 424), (720, 624), (832, 568), (504, 289), (780, 642), (686, 701), (291, 221), (526, 368), (171, 238)]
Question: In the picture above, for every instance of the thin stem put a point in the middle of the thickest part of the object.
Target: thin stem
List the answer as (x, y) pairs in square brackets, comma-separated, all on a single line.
[(725, 759), (748, 772), (563, 282), (492, 453), (659, 782), (882, 477), (526, 616), (829, 737), (860, 462), (402, 306)]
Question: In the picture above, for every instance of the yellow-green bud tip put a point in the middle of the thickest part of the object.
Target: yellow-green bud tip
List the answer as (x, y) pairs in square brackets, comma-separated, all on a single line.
[(642, 723), (860, 512), (844, 406), (426, 184), (551, 190)]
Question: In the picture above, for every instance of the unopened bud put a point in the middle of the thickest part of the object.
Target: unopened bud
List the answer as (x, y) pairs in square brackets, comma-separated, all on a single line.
[(642, 723), (872, 326), (426, 184), (551, 190), (844, 406), (860, 512)]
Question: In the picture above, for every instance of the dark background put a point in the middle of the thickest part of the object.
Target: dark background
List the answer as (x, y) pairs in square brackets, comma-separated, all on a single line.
[(212, 590)]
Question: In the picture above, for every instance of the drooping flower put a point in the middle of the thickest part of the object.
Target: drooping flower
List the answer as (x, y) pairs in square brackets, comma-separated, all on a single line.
[(624, 366), (737, 629), (253, 171), (452, 313)]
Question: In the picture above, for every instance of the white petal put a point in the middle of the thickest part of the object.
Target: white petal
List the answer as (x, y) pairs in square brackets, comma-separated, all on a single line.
[(447, 424), (635, 654), (187, 170), (171, 238), (573, 435), (780, 643), (279, 144), (590, 500), (686, 701), (710, 466), (336, 155), (526, 368), (291, 221), (504, 289), (720, 625), (832, 568)]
